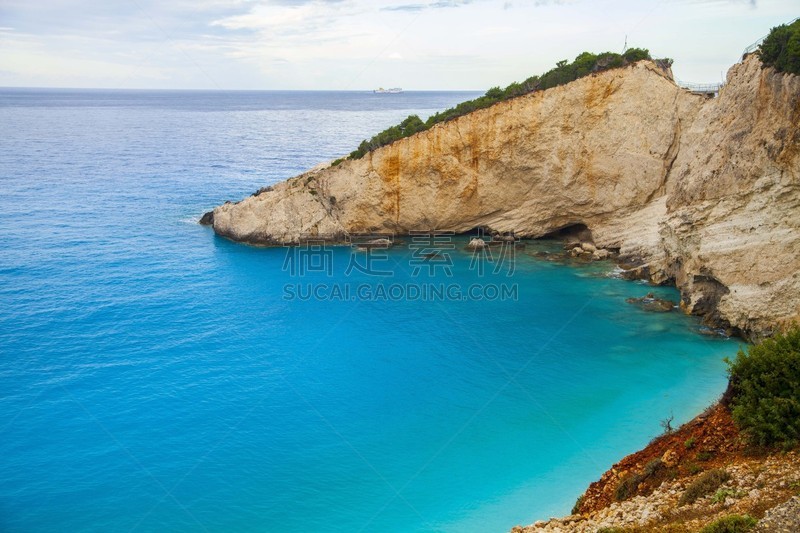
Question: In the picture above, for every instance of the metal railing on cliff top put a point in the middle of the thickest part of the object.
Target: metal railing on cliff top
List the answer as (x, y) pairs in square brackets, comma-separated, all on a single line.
[(701, 88), (750, 49), (714, 88)]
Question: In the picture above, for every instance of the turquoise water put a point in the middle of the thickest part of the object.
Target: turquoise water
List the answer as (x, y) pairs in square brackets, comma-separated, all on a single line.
[(155, 377)]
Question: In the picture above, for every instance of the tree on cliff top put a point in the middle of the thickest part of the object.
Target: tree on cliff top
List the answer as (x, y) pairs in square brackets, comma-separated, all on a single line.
[(781, 48), (765, 383), (564, 72)]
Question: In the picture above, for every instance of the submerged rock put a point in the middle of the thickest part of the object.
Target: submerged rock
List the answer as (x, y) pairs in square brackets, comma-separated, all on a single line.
[(650, 302)]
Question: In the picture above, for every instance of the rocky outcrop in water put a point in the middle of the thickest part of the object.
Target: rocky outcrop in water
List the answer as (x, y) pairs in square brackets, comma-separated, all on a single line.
[(699, 192), (652, 303), (207, 219)]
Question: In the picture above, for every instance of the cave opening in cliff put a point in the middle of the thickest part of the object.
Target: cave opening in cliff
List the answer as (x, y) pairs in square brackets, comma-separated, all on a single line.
[(576, 231), (483, 231)]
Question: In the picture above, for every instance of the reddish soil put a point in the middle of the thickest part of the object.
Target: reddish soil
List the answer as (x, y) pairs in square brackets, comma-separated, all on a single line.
[(708, 441)]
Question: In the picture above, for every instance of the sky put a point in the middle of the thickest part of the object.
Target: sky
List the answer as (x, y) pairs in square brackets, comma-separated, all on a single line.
[(360, 44)]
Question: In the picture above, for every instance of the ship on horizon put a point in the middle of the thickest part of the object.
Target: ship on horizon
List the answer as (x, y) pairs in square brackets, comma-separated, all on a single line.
[(393, 90)]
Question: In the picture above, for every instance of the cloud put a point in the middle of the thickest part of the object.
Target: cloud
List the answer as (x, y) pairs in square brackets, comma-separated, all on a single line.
[(299, 33), (356, 43), (440, 4), (751, 3), (303, 2), (406, 7), (288, 16), (450, 3), (496, 30)]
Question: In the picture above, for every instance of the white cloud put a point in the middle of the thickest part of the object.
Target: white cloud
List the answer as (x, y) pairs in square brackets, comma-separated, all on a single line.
[(496, 30), (275, 17), (350, 44)]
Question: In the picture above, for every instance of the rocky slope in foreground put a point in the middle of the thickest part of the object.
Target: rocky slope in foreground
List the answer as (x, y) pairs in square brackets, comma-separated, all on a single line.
[(702, 192), (686, 480)]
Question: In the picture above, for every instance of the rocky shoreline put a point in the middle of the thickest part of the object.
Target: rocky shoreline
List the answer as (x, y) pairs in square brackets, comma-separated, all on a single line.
[(679, 189), (702, 194), (685, 190), (685, 480)]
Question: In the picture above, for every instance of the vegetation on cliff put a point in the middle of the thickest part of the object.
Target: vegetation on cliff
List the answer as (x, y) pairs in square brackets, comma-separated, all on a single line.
[(731, 524), (724, 469), (765, 383), (564, 72), (781, 48)]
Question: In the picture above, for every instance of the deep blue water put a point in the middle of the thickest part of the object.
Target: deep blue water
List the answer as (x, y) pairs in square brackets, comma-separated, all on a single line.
[(153, 377)]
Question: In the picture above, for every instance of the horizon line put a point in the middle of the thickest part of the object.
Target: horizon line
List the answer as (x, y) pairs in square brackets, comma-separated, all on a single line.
[(152, 89)]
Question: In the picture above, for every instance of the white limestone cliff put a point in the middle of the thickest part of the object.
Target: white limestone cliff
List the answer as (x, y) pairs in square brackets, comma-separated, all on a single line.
[(702, 192)]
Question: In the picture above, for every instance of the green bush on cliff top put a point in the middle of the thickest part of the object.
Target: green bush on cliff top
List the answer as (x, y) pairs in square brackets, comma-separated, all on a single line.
[(731, 524), (781, 48), (564, 72), (765, 384)]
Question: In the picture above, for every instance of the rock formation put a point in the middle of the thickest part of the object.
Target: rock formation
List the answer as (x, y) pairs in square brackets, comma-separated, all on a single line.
[(700, 192), (686, 479)]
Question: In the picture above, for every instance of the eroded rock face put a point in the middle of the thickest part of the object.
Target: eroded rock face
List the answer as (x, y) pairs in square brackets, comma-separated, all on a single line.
[(531, 165), (700, 192), (732, 231)]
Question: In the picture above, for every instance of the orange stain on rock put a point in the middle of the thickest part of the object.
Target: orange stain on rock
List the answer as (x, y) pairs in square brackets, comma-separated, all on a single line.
[(389, 172)]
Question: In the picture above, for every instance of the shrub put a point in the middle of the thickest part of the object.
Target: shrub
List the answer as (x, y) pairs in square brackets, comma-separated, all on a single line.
[(730, 524), (664, 63), (689, 443), (628, 486), (411, 125), (578, 504), (765, 385), (781, 48), (723, 494), (651, 468), (704, 455), (703, 485), (667, 424), (494, 93), (694, 468), (636, 54)]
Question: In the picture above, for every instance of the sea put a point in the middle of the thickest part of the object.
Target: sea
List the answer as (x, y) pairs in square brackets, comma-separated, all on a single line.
[(156, 377)]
